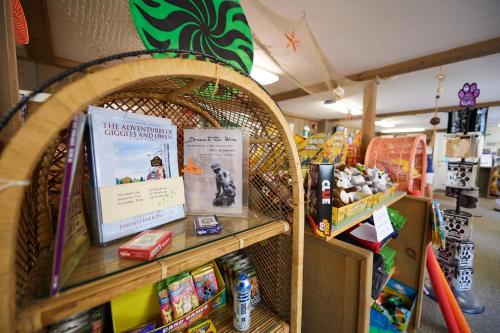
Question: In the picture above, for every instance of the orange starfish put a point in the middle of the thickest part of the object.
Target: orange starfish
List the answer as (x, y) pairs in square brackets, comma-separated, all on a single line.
[(292, 41)]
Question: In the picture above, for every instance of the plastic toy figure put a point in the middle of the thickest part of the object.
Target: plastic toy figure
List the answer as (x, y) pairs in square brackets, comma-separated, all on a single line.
[(226, 190)]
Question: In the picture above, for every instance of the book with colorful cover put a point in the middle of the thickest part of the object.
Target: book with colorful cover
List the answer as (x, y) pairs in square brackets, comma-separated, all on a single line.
[(134, 173), (71, 240)]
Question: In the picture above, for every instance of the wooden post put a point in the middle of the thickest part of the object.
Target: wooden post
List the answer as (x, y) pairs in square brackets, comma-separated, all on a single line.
[(9, 86), (369, 111)]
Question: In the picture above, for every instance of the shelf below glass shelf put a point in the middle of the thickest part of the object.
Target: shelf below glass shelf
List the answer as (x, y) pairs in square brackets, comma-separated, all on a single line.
[(262, 320), (102, 276)]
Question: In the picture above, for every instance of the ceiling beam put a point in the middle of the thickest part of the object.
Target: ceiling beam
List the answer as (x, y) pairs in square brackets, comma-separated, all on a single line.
[(315, 88), (476, 50), (430, 110)]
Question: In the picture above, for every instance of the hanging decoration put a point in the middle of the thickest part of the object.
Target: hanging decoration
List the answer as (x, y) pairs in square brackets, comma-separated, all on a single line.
[(468, 94), (19, 21), (214, 27), (292, 41), (290, 45), (439, 90)]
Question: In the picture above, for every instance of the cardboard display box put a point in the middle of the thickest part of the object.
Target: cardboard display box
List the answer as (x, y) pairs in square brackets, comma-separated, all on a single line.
[(141, 306)]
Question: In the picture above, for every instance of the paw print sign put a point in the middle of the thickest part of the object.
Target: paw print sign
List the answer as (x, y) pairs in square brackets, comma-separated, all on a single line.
[(468, 94)]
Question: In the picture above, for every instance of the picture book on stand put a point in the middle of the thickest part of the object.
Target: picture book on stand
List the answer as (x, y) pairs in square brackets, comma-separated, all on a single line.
[(134, 173), (215, 170), (71, 240)]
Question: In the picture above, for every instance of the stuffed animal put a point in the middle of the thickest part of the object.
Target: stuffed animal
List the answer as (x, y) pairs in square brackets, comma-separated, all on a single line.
[(379, 180), (344, 192)]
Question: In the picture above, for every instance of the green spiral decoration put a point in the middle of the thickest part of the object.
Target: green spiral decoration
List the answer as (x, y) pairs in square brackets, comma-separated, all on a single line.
[(214, 27)]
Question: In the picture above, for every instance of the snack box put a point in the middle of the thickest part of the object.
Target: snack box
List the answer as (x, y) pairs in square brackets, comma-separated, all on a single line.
[(381, 196), (144, 301), (146, 245)]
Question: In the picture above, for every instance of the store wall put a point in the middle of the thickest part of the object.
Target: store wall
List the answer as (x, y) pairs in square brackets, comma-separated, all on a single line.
[(32, 74), (492, 138), (297, 124)]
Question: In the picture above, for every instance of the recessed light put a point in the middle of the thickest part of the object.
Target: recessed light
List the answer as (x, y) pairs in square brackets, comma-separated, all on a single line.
[(403, 130), (385, 123), (262, 76), (342, 107)]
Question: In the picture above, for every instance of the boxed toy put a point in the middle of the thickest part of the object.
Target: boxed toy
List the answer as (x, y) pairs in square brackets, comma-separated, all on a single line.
[(146, 245), (319, 198), (392, 310)]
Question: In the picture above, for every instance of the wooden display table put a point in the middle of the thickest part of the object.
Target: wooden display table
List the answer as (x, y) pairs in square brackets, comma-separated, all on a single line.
[(338, 275)]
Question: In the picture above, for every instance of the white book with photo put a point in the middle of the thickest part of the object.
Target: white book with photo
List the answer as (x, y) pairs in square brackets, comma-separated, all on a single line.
[(215, 165)]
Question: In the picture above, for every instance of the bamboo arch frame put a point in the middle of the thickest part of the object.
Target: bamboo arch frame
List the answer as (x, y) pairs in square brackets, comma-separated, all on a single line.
[(23, 152)]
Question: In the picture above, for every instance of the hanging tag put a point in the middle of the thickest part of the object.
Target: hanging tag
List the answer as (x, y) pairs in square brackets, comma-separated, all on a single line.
[(382, 222)]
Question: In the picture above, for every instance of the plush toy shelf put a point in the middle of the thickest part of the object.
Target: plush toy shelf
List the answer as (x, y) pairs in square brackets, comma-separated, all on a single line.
[(353, 220)]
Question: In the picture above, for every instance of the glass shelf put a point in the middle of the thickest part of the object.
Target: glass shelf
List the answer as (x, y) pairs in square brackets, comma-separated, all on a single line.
[(100, 262)]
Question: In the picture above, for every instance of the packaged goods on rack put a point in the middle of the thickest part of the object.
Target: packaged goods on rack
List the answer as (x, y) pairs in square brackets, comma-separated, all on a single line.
[(237, 262), (177, 301), (392, 310)]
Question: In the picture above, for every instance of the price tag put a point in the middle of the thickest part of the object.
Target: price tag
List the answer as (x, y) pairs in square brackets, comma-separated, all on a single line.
[(382, 222)]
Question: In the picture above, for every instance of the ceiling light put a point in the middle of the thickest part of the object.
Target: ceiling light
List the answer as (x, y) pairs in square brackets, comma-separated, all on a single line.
[(262, 76), (403, 130), (342, 107), (385, 123)]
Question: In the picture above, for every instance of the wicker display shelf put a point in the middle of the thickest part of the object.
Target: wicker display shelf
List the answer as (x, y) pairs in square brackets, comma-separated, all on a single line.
[(192, 93), (263, 320), (50, 310)]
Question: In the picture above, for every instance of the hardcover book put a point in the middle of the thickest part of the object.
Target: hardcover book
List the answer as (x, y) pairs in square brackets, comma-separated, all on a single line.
[(71, 240), (215, 165), (134, 173)]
